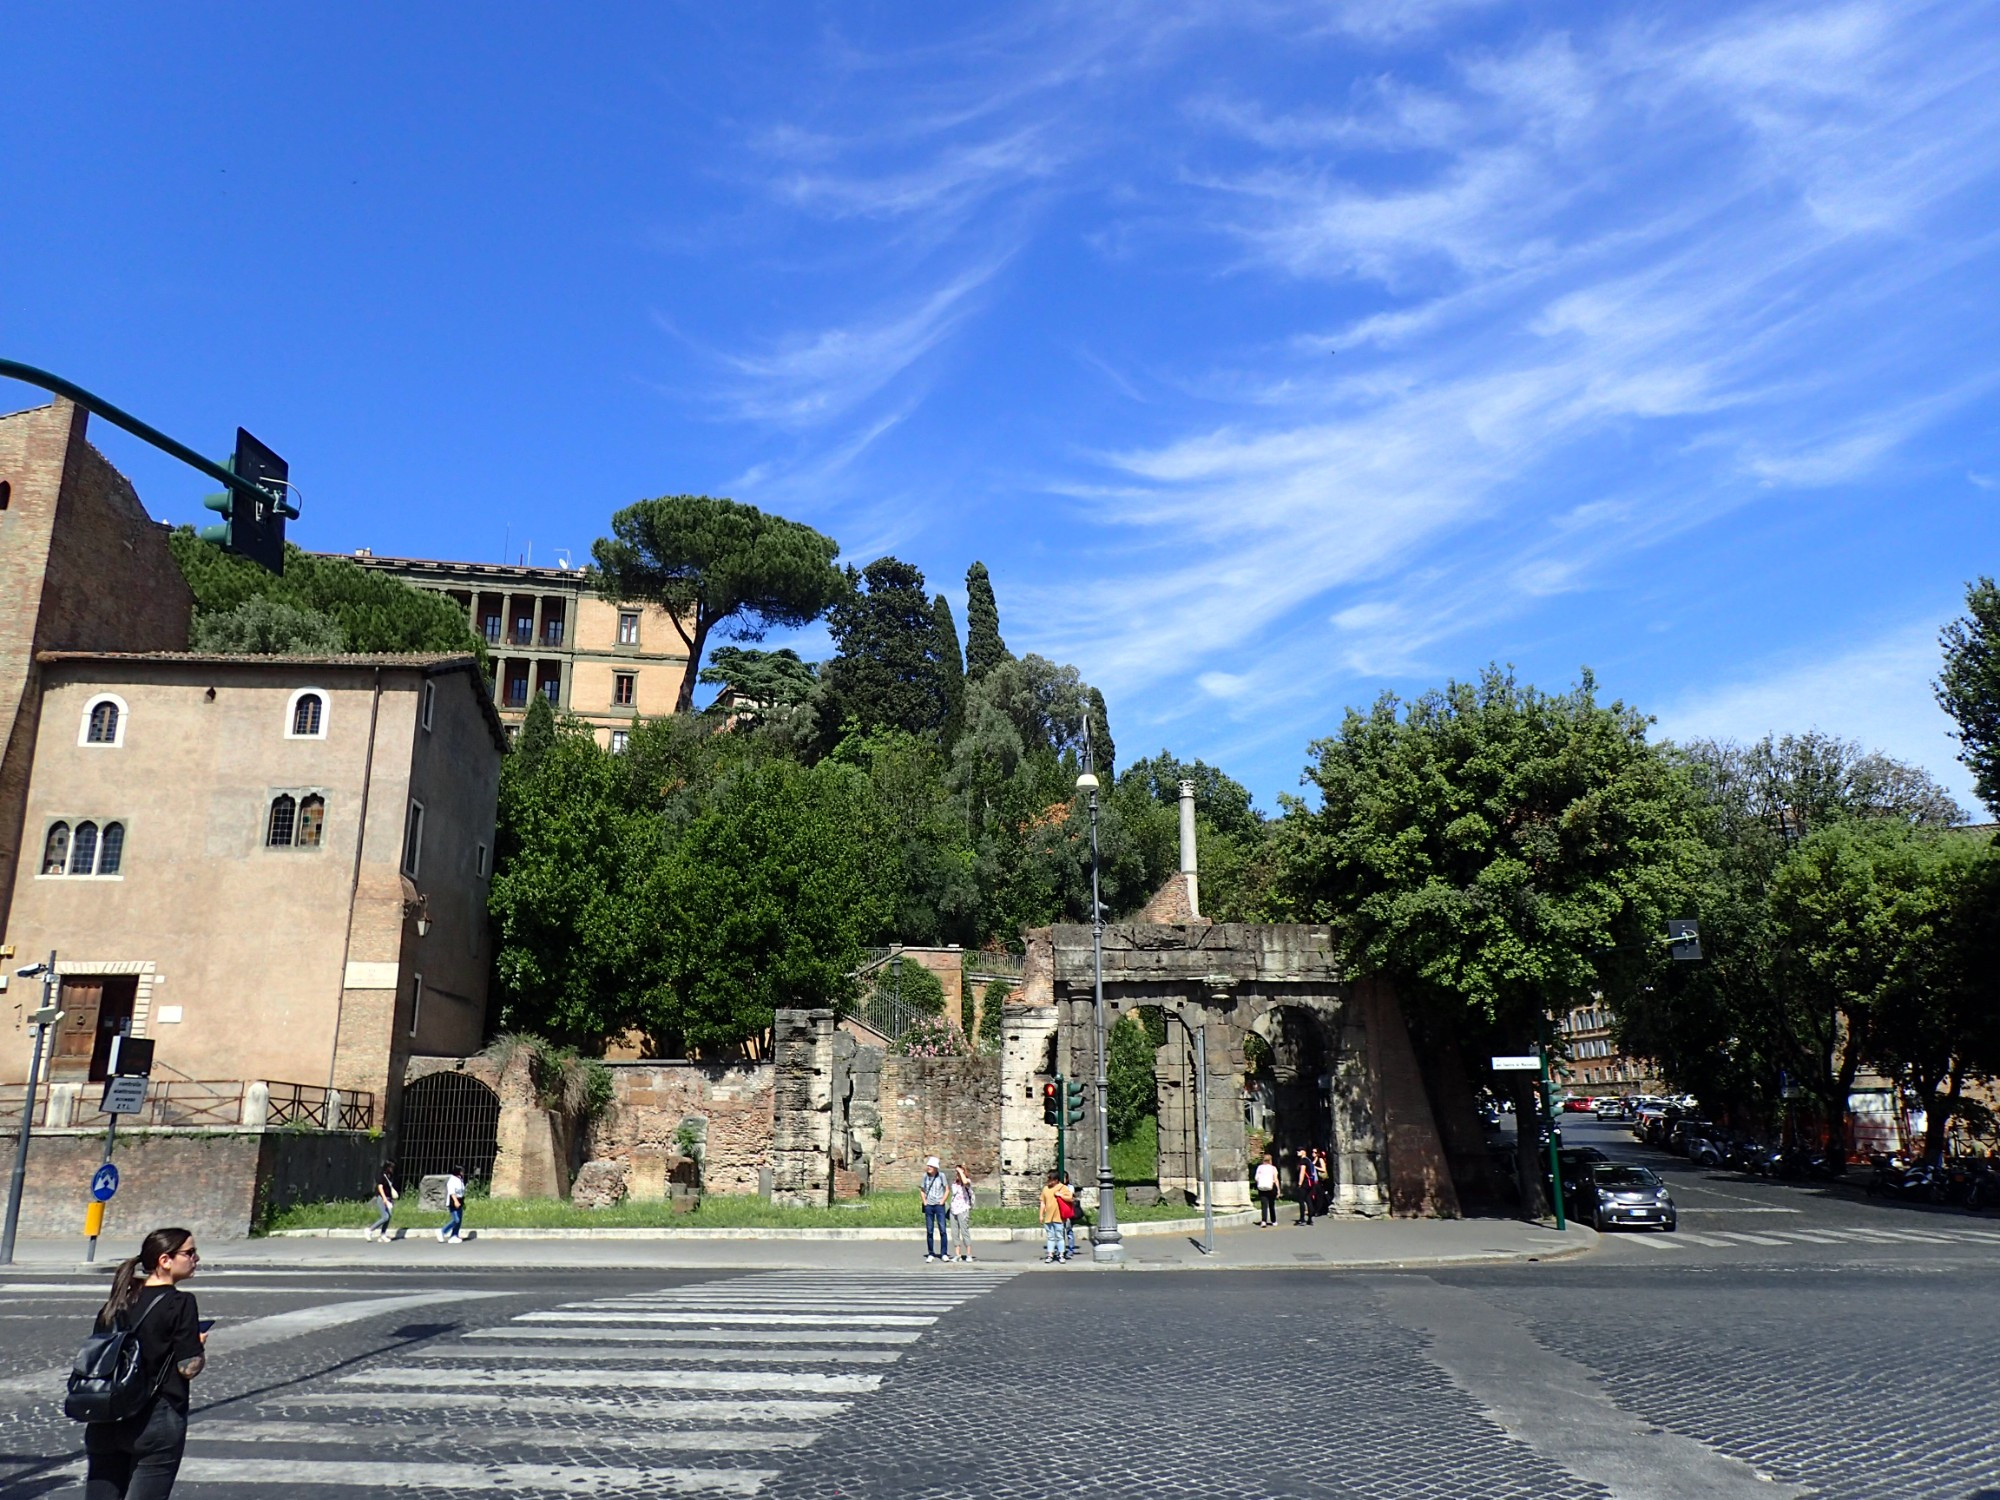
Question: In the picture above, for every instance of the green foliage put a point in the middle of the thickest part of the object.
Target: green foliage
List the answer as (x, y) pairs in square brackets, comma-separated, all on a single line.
[(951, 668), (374, 612), (1133, 1093), (984, 650), (887, 672), (1969, 687), (996, 995), (717, 563), (262, 626), (1222, 800), (773, 679), (934, 1036), (1135, 1159), (578, 1087), (1103, 749), (912, 985)]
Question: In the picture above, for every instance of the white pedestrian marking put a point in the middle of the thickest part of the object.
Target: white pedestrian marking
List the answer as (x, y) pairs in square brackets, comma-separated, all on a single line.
[(1702, 1239), (367, 1435), (804, 1382), (647, 1409), (669, 1336), (1649, 1242), (873, 1320), (665, 1354), (1813, 1236), (1750, 1239), (273, 1475)]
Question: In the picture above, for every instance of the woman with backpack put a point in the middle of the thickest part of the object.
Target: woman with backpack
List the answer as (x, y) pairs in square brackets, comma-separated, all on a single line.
[(136, 1456)]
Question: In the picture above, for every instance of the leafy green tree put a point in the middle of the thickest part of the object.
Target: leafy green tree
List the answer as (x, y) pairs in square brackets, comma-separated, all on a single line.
[(984, 650), (1500, 854), (374, 611), (997, 993), (1221, 799), (714, 563), (886, 672), (951, 668), (911, 985), (1128, 1065), (263, 626), (1969, 687), (765, 902), (538, 734)]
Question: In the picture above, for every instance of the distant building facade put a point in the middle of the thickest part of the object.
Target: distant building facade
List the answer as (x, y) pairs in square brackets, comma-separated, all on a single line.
[(1596, 1063), (275, 867), (548, 631)]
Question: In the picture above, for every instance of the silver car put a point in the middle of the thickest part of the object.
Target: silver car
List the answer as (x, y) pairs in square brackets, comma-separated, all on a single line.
[(1620, 1194)]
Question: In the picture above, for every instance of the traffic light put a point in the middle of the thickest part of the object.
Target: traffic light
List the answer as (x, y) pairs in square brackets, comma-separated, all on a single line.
[(253, 526), (1075, 1097), (1051, 1103)]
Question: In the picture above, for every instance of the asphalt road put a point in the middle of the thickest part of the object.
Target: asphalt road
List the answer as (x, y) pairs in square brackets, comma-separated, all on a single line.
[(1786, 1341)]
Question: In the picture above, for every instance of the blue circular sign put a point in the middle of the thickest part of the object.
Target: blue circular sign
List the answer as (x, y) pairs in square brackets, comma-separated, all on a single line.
[(104, 1182)]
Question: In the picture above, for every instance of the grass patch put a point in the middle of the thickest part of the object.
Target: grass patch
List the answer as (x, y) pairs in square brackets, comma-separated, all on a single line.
[(717, 1211), (1136, 1159)]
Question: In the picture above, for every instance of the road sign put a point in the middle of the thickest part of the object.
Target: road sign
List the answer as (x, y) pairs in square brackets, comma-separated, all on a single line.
[(1527, 1064), (124, 1095), (1684, 938), (104, 1183), (131, 1055)]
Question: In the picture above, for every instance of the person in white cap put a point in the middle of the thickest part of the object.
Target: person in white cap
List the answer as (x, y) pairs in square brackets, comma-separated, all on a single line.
[(935, 1191)]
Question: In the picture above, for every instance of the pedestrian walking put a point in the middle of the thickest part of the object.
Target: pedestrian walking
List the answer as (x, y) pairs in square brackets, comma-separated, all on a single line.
[(960, 1204), (454, 1207), (137, 1458), (1266, 1178), (936, 1192), (1052, 1220), (1322, 1182), (1068, 1210), (1306, 1187), (385, 1201)]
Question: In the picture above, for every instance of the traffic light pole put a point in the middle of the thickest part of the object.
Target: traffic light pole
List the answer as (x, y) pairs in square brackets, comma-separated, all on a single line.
[(145, 432)]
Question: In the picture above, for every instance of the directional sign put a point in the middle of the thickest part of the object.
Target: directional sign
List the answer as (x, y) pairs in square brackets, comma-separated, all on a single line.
[(124, 1095), (1527, 1064), (104, 1182)]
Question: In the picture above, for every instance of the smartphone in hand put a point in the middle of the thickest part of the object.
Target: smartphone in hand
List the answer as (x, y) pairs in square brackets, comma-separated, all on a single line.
[(203, 1325)]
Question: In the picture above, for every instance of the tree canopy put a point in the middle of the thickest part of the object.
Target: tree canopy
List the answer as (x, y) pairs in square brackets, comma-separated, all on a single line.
[(1969, 687), (984, 650), (716, 563), (887, 670)]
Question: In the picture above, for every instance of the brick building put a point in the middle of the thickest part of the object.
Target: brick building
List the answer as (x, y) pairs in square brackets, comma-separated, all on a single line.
[(1596, 1063), (548, 631)]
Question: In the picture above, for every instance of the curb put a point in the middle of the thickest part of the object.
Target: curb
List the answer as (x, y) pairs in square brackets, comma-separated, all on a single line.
[(1022, 1235)]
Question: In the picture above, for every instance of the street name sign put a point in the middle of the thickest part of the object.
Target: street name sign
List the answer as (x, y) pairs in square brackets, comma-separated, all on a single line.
[(104, 1183), (124, 1095), (1528, 1064)]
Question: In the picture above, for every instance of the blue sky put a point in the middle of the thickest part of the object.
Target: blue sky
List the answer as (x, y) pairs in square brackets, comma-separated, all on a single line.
[(1270, 355)]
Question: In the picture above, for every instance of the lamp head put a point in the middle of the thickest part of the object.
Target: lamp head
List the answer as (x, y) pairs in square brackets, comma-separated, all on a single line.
[(1087, 782)]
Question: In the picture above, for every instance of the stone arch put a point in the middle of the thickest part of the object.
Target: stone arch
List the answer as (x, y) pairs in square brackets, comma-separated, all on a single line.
[(450, 1119)]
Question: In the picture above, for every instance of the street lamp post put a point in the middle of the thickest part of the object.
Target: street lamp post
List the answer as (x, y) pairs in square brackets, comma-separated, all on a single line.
[(43, 1019), (1105, 1245)]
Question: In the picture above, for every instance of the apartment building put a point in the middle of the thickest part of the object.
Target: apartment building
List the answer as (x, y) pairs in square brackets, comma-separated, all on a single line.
[(1596, 1063), (548, 631)]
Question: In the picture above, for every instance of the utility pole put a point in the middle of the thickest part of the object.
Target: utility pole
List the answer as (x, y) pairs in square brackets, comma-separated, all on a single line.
[(1201, 1130), (43, 1020), (1106, 1246)]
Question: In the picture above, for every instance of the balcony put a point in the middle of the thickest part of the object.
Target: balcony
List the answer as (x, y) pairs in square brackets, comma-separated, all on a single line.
[(552, 632)]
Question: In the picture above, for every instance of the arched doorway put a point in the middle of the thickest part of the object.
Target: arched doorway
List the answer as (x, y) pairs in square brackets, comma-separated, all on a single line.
[(1289, 1081), (449, 1120)]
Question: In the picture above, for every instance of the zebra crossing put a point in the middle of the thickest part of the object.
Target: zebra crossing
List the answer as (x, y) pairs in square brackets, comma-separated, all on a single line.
[(1846, 1235), (691, 1390)]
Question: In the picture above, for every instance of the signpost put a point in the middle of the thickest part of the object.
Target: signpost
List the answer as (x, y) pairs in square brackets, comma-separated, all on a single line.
[(130, 1067), (1538, 1062)]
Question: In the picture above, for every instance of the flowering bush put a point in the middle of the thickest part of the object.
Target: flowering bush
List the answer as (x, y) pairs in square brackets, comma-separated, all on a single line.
[(934, 1036)]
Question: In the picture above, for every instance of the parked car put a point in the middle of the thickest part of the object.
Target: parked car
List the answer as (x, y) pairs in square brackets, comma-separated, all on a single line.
[(1614, 1194), (1706, 1145), (1612, 1109), (1644, 1119), (1578, 1104)]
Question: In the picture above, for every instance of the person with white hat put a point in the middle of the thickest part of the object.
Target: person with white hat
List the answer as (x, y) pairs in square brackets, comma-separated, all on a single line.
[(935, 1191)]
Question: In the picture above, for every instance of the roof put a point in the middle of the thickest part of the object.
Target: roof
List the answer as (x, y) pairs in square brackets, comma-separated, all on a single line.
[(429, 663), (581, 575)]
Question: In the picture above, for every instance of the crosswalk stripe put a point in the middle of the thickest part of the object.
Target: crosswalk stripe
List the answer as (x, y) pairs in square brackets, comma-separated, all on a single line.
[(1650, 1243), (275, 1474), (1752, 1239), (1813, 1236), (665, 1337), (658, 1408), (1691, 1237), (1978, 1234), (668, 1354), (805, 1382), (870, 1320), (382, 1435)]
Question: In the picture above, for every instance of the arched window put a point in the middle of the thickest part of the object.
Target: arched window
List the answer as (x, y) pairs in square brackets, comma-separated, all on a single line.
[(284, 814), (312, 820), (55, 853), (83, 850), (111, 851), (305, 715), (103, 721)]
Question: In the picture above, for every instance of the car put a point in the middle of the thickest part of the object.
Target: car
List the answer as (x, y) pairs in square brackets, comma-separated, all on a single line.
[(1576, 1164), (1614, 1195), (1578, 1104), (1706, 1145), (1612, 1109)]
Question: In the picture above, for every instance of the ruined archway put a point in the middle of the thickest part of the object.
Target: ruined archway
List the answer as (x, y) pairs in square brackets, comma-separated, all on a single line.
[(450, 1119)]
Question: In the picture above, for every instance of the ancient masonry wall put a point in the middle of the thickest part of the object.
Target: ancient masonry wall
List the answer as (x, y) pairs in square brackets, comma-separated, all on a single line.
[(802, 1108), (723, 1110), (947, 1107), (1027, 1146)]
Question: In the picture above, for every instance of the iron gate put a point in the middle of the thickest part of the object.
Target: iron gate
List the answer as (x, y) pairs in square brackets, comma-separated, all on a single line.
[(449, 1120)]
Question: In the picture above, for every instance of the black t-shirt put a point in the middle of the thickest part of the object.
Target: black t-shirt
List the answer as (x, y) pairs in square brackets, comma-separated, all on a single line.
[(170, 1335)]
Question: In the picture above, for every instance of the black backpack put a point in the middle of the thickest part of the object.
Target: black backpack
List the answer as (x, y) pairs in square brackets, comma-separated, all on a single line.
[(109, 1380)]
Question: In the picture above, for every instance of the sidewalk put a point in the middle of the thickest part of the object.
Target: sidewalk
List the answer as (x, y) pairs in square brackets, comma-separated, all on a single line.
[(1332, 1244)]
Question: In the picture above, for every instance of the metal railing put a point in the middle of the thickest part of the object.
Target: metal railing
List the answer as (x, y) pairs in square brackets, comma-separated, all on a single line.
[(298, 1104), (12, 1097), (199, 1104)]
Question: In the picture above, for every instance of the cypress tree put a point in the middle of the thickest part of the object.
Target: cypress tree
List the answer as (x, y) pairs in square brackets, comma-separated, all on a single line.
[(951, 668), (1103, 748), (984, 650)]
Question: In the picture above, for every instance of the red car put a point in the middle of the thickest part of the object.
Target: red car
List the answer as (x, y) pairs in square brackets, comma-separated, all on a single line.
[(1579, 1105)]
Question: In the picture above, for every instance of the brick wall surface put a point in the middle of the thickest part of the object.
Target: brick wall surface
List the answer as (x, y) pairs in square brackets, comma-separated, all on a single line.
[(651, 1100), (947, 1107), (203, 1181)]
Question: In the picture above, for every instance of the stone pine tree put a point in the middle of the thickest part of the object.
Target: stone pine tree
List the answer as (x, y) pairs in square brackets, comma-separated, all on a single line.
[(984, 650), (951, 669), (885, 672), (1969, 687), (713, 563)]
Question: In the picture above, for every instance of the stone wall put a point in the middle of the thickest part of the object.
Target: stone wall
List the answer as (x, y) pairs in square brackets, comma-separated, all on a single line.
[(727, 1107), (947, 1107), (1027, 1146), (211, 1182), (802, 1108)]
